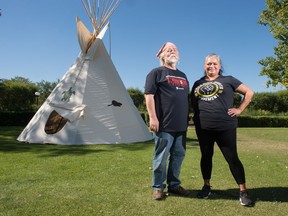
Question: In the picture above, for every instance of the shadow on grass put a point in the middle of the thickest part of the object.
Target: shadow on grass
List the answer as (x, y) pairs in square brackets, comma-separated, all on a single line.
[(8, 143), (51, 150), (263, 194), (191, 142), (13, 146)]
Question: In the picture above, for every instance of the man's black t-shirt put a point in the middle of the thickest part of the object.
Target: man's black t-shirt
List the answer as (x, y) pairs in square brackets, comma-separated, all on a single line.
[(171, 90), (211, 101)]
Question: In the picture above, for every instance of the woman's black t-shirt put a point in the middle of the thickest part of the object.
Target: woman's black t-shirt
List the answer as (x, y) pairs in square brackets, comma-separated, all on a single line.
[(171, 92), (211, 101)]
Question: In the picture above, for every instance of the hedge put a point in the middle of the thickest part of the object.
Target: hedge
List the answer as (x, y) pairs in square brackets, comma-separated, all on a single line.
[(262, 121), (23, 118), (15, 118)]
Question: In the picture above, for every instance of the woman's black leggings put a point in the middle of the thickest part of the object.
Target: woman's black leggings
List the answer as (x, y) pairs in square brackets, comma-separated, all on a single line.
[(226, 140)]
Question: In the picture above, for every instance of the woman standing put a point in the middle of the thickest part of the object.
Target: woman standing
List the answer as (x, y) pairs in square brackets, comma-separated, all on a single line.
[(215, 120)]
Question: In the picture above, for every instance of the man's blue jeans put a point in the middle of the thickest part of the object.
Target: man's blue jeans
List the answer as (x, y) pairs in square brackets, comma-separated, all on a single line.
[(173, 145)]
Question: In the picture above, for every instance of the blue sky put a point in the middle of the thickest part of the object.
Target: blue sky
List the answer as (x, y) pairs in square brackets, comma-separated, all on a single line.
[(39, 39)]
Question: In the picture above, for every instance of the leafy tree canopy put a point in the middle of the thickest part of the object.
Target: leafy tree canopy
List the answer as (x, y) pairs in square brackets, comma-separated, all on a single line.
[(138, 98), (17, 94), (45, 88), (276, 67)]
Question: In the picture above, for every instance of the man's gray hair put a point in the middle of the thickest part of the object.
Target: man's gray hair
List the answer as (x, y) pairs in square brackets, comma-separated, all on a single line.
[(161, 59)]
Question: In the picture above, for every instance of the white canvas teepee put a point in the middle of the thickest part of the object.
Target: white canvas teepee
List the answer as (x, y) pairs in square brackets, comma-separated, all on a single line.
[(90, 105)]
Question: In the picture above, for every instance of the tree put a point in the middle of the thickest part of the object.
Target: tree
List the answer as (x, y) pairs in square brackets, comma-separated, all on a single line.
[(45, 88), (22, 80), (276, 17), (17, 94), (137, 97)]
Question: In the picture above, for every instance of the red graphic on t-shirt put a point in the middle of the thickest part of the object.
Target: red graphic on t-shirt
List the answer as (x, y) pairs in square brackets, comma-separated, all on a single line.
[(177, 81)]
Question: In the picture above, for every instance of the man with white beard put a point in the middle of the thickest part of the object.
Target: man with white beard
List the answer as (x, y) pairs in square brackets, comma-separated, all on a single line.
[(166, 96)]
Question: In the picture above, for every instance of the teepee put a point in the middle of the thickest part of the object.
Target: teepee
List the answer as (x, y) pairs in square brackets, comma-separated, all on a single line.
[(90, 104)]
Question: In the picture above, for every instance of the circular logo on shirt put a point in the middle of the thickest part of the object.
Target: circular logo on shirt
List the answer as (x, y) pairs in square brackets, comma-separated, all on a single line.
[(209, 90)]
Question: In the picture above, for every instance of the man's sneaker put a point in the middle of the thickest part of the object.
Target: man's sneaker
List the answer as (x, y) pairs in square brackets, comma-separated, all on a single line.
[(180, 191), (158, 194), (245, 199), (205, 192)]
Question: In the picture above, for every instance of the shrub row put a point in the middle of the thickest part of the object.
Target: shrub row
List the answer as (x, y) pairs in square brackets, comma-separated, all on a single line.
[(15, 118), (23, 118), (274, 102), (262, 121), (246, 121)]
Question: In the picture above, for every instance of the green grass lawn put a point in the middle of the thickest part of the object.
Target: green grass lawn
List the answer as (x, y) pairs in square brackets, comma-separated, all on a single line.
[(116, 179)]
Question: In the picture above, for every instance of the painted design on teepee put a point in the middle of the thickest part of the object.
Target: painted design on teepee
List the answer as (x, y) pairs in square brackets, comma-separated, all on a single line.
[(115, 103), (67, 95)]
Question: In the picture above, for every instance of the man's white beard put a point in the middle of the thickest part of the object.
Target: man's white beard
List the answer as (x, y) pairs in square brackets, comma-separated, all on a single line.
[(171, 60)]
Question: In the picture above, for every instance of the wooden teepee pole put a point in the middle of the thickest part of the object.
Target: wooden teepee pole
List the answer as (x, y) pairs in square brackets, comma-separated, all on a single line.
[(99, 11)]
